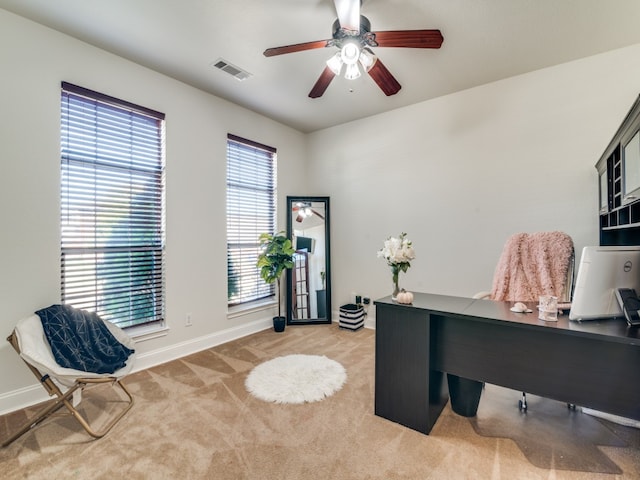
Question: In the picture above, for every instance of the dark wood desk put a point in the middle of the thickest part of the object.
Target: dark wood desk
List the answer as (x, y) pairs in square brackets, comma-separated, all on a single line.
[(593, 364)]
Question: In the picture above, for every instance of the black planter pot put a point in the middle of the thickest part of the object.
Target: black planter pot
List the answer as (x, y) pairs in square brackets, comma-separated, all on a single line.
[(279, 323), (464, 394)]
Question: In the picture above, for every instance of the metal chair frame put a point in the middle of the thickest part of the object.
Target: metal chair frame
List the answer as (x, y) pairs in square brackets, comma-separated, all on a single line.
[(64, 399)]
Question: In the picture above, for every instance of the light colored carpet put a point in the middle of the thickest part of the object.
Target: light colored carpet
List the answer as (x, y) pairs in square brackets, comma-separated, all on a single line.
[(296, 378), (194, 419)]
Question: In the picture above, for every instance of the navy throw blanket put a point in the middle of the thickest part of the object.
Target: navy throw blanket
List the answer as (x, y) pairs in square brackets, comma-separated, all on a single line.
[(80, 340)]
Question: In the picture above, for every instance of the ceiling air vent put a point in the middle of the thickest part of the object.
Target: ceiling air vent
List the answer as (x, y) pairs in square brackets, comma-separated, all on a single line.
[(231, 69)]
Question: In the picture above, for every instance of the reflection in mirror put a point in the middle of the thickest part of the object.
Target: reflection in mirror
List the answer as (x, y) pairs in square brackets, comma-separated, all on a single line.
[(309, 281)]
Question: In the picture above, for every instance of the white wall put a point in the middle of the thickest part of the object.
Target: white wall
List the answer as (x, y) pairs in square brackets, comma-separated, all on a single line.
[(461, 173), (34, 61)]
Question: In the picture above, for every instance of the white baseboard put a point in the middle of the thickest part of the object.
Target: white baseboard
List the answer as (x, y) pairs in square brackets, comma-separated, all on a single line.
[(33, 394), (370, 322), (21, 398), (194, 345), (628, 422)]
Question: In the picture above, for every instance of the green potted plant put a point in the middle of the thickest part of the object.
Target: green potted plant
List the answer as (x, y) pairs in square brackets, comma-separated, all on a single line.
[(276, 256)]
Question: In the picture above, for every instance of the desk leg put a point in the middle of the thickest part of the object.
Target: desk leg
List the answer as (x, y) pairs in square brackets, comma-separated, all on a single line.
[(465, 395), (407, 390)]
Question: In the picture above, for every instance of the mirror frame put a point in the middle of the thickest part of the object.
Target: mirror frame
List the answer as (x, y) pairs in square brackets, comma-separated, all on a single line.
[(291, 200)]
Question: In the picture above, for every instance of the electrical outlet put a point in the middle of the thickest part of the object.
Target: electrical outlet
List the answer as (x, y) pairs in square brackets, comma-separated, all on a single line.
[(187, 320), (366, 301)]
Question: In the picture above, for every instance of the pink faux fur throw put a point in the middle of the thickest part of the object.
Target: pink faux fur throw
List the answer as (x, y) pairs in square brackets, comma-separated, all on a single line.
[(533, 264)]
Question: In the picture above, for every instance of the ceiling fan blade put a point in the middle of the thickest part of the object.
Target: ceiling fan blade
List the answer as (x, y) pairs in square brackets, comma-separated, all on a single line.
[(348, 14), (323, 82), (382, 76), (298, 47), (409, 38)]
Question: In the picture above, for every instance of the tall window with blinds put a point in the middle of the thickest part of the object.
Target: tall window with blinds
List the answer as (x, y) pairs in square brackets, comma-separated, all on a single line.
[(112, 207), (251, 197)]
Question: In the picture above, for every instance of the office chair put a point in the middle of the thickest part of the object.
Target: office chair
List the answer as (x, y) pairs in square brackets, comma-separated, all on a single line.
[(534, 264), (66, 384)]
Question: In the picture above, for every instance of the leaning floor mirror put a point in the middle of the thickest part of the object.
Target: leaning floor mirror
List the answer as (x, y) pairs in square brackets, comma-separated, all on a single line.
[(309, 281)]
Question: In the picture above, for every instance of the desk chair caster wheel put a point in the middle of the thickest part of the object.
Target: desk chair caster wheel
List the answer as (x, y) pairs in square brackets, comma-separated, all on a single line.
[(522, 404)]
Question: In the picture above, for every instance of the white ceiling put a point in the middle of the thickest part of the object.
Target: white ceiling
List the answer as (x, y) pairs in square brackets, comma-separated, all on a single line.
[(484, 41)]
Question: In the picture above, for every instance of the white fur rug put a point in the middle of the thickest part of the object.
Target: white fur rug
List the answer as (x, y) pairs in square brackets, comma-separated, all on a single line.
[(296, 379)]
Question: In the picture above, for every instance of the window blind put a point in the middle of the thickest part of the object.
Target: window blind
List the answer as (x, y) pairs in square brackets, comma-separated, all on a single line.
[(112, 207), (251, 197)]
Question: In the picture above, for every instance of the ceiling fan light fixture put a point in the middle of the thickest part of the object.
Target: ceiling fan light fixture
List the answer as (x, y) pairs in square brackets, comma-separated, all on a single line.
[(350, 53), (352, 72), (335, 63), (367, 59)]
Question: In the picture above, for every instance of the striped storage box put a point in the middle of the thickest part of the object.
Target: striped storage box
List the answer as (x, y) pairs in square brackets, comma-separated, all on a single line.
[(351, 316)]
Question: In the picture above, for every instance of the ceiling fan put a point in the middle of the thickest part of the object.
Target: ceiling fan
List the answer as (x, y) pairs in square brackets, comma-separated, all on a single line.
[(305, 210), (353, 37)]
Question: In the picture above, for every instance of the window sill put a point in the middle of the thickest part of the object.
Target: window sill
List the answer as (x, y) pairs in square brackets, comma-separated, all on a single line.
[(248, 308), (143, 333)]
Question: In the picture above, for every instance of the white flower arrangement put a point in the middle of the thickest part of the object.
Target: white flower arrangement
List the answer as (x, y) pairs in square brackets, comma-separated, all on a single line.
[(398, 252)]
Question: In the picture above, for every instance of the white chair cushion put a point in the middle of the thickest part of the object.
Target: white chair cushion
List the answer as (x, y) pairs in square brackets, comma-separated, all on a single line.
[(35, 350)]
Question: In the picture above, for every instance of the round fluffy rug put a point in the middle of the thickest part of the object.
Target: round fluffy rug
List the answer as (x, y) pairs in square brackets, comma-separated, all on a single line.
[(296, 379)]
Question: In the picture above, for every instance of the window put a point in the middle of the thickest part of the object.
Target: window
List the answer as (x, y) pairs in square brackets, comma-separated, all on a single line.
[(251, 198), (112, 207)]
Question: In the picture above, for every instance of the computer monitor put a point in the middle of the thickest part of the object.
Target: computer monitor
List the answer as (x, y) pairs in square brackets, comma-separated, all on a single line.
[(601, 271)]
